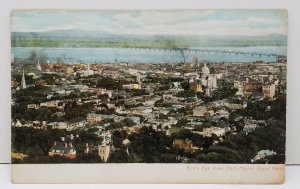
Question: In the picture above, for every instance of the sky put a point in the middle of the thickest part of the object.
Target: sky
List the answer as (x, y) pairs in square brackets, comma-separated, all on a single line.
[(188, 22)]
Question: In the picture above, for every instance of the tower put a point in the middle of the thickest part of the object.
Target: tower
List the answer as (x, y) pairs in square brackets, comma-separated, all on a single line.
[(205, 71), (104, 150), (38, 66), (23, 82), (88, 69), (138, 78), (207, 92)]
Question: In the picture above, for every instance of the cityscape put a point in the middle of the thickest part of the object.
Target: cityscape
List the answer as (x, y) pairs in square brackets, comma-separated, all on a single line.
[(79, 97)]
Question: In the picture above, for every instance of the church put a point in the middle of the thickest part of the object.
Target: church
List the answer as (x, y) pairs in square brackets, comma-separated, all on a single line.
[(208, 80)]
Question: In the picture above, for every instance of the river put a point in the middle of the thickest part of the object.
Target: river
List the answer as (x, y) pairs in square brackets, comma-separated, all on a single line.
[(134, 55)]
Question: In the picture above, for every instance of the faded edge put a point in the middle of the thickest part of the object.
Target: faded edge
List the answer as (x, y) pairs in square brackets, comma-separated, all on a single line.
[(149, 173)]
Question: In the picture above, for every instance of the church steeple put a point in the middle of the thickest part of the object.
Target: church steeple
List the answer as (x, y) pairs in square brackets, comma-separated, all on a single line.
[(23, 82), (138, 78), (38, 66), (88, 69)]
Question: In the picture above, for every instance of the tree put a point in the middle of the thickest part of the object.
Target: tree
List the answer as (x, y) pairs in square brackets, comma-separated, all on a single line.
[(118, 137), (181, 122), (119, 156)]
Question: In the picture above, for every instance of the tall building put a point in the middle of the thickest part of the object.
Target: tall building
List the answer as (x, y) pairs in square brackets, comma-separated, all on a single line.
[(205, 71), (268, 90), (104, 150), (23, 82), (138, 78), (208, 80), (89, 71), (38, 66)]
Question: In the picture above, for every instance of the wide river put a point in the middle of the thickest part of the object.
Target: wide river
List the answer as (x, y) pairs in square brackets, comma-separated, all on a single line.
[(132, 55)]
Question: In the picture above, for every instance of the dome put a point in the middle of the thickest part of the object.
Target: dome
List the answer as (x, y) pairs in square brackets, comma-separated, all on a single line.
[(205, 69)]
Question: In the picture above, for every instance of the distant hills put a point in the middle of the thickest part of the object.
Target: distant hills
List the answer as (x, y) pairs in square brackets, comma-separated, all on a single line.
[(82, 38)]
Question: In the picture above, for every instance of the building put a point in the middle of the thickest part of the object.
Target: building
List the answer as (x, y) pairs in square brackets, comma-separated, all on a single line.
[(38, 66), (14, 84), (126, 143), (52, 104), (282, 59), (47, 67), (104, 91), (252, 87), (94, 118), (131, 86), (263, 154), (209, 81), (32, 106), (69, 70), (269, 90), (218, 131), (212, 81), (196, 87), (200, 111), (138, 79), (63, 148), (88, 71), (41, 83), (186, 145), (104, 150), (23, 82)]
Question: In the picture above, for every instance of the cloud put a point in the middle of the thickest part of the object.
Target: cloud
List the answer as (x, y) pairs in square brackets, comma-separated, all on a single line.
[(187, 22)]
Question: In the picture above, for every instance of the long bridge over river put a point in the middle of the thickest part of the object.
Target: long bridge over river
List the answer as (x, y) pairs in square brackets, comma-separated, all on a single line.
[(183, 51), (211, 51)]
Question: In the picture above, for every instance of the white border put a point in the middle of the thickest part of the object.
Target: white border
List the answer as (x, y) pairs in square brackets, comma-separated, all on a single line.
[(141, 173), (293, 129)]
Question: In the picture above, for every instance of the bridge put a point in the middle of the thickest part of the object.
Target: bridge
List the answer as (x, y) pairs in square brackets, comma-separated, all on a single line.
[(211, 51), (182, 51)]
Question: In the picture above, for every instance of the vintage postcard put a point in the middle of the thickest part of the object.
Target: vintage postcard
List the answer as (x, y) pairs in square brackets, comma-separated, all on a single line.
[(148, 96)]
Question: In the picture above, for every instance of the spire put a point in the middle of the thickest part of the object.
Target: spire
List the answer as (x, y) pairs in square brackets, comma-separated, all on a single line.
[(23, 82), (138, 78), (38, 66), (88, 69), (104, 139)]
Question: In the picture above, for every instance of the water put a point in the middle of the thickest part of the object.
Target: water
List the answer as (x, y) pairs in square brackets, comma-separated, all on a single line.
[(111, 55)]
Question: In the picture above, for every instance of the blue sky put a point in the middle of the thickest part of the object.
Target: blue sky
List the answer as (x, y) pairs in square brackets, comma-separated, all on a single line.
[(188, 22)]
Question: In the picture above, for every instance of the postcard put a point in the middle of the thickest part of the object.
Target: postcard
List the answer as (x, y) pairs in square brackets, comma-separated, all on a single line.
[(148, 96)]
